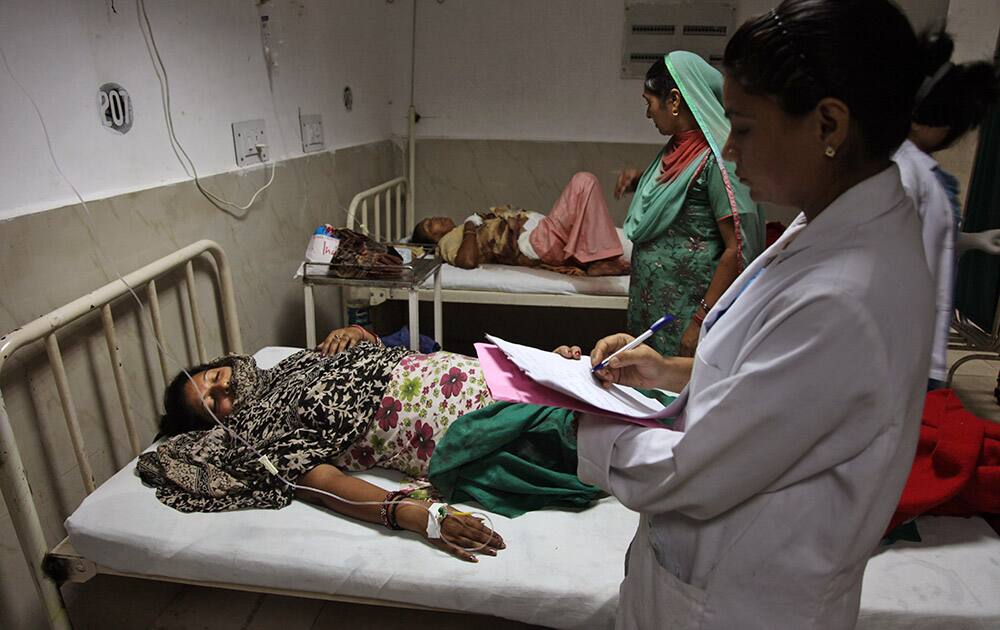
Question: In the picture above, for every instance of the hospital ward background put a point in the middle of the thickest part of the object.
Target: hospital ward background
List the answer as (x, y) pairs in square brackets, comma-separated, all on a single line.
[(132, 130)]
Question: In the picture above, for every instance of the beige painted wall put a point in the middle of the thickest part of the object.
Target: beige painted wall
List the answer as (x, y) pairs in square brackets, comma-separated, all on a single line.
[(51, 258), (458, 177)]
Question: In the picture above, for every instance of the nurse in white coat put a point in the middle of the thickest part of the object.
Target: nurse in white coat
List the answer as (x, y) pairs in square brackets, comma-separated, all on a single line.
[(951, 101), (760, 509)]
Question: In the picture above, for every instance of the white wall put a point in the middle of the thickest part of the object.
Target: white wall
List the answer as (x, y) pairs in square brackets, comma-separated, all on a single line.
[(976, 25), (518, 69), (529, 70), (523, 69), (63, 50)]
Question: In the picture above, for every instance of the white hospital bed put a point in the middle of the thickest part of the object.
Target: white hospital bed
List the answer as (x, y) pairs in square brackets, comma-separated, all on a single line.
[(561, 567), (381, 212)]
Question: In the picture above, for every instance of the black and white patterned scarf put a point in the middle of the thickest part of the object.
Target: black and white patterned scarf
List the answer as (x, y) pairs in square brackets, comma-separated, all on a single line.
[(247, 382), (303, 412)]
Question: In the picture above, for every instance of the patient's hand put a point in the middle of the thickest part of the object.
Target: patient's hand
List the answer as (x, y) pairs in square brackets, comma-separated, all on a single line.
[(341, 339), (463, 532), (568, 352)]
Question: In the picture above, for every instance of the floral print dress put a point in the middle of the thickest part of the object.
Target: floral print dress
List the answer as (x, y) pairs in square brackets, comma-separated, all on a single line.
[(425, 395)]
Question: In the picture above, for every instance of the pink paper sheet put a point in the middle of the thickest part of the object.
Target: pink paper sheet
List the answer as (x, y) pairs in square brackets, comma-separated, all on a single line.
[(508, 383)]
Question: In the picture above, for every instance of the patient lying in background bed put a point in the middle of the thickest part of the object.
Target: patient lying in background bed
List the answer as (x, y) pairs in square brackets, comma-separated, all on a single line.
[(578, 236), (350, 405)]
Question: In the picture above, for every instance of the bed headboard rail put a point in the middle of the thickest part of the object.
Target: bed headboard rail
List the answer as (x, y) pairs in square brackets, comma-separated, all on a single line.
[(389, 209), (13, 482)]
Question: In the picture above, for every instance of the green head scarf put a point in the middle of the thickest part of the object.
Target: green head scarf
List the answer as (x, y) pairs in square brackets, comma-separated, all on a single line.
[(655, 206)]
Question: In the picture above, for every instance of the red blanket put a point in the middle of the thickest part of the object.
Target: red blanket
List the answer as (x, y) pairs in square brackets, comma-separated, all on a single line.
[(956, 471)]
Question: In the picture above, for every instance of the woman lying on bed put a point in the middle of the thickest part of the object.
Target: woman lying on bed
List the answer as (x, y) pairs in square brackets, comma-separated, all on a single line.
[(578, 237), (350, 405)]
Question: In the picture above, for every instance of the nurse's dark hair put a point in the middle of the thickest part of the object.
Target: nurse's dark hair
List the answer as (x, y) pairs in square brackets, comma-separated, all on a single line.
[(863, 52), (179, 417), (961, 97), (658, 80)]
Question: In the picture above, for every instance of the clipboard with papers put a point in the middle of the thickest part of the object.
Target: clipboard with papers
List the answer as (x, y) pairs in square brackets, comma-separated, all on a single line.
[(518, 373)]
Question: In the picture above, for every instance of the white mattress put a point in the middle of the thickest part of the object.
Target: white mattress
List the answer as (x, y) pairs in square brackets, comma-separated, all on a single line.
[(561, 567), (510, 279)]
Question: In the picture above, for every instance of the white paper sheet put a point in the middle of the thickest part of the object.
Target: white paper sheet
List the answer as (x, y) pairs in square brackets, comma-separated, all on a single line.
[(573, 378)]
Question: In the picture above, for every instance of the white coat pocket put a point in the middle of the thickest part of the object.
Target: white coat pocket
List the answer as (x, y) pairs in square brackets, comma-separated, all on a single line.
[(651, 594)]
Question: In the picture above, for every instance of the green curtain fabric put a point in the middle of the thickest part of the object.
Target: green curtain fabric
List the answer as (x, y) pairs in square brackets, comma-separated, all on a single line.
[(655, 206), (511, 458), (978, 285)]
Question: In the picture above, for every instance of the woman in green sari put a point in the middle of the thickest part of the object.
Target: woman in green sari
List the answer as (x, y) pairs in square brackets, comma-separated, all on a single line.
[(693, 224)]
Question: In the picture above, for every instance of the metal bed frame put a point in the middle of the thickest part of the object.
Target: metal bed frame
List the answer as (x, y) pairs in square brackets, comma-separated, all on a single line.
[(375, 292), (380, 200), (52, 566), (358, 218), (379, 212), (48, 567), (967, 335)]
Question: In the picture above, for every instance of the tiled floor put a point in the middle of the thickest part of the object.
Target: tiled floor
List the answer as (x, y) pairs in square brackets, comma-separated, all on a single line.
[(125, 604)]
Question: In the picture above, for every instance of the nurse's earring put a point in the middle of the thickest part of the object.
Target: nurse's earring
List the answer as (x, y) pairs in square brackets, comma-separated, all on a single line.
[(830, 151)]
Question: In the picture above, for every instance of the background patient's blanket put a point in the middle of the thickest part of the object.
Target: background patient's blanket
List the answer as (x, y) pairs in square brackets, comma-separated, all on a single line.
[(956, 471)]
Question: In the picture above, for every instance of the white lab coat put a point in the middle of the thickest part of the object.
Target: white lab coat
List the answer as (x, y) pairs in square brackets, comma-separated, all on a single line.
[(798, 434), (916, 170)]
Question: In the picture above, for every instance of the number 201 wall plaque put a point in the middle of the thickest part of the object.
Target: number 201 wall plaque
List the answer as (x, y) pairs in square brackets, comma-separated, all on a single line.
[(114, 107)]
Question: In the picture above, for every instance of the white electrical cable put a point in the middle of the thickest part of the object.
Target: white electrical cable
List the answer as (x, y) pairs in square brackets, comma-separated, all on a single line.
[(91, 224), (161, 73)]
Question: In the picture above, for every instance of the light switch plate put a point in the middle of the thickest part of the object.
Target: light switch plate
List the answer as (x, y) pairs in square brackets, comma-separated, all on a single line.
[(311, 126), (246, 136)]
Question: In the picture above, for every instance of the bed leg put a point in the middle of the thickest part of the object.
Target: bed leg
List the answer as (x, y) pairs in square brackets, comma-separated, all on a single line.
[(438, 319), (310, 311), (28, 527), (414, 320)]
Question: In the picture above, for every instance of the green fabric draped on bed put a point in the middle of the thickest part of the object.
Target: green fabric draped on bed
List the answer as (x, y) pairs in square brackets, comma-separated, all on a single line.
[(511, 458)]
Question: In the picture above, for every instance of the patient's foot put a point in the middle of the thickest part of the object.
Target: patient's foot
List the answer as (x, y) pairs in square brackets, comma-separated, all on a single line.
[(609, 267)]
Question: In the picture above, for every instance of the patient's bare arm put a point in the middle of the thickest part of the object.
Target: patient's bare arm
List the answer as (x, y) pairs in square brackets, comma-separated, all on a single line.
[(468, 252), (467, 531)]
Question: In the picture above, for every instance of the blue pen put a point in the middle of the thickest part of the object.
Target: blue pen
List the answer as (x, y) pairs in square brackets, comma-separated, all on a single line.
[(658, 324)]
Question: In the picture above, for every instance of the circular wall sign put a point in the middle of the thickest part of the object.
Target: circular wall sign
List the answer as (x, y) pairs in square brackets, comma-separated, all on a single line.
[(114, 107)]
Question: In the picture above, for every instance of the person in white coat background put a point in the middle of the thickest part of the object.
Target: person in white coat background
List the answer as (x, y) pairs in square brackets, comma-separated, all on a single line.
[(951, 101), (761, 506)]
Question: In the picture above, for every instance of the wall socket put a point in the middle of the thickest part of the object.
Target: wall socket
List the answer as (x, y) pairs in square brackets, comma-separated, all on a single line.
[(246, 136), (311, 126)]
